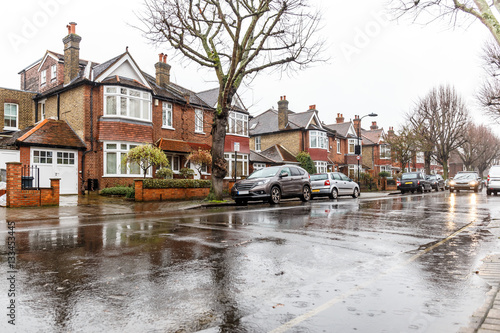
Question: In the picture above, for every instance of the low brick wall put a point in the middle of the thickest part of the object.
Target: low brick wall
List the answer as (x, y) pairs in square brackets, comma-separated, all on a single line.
[(164, 194), (17, 197)]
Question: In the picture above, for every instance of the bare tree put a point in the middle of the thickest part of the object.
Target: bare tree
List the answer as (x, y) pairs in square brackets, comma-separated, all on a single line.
[(442, 118), (236, 39), (489, 94), (430, 10), (481, 148), (403, 145)]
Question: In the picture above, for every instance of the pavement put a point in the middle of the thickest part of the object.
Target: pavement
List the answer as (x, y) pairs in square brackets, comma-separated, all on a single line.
[(485, 320)]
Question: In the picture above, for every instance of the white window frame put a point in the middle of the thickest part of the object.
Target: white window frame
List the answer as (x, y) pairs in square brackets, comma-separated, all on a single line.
[(352, 143), (175, 162), (119, 151), (420, 158), (42, 109), (10, 105), (258, 143), (65, 156), (42, 156), (321, 166), (167, 108), (258, 166), (198, 121), (338, 146), (237, 124), (125, 94), (385, 152), (43, 77), (387, 168), (242, 158), (53, 72), (317, 139)]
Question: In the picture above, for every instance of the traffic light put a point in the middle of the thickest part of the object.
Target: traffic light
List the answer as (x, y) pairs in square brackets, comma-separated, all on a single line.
[(357, 149)]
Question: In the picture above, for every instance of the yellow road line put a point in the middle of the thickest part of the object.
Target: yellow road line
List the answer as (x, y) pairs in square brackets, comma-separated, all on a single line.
[(342, 297)]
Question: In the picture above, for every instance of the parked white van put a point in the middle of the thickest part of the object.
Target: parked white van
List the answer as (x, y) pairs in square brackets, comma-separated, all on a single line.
[(493, 182)]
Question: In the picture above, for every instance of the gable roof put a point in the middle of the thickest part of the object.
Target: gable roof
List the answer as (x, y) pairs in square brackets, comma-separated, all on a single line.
[(258, 157), (211, 97), (372, 136), (113, 66), (51, 133), (267, 122), (343, 130), (279, 154)]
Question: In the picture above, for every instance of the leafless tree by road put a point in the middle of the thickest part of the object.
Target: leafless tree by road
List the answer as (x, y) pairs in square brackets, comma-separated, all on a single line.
[(442, 118), (480, 149), (237, 40)]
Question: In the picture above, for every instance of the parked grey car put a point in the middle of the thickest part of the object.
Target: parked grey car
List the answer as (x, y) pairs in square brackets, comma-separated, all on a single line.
[(437, 182), (333, 184), (272, 184), (466, 180)]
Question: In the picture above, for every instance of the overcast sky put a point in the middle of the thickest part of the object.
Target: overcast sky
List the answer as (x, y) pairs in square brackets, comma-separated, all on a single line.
[(376, 64)]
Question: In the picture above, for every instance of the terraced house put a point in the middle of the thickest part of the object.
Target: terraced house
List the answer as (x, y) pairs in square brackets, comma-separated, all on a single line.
[(111, 107)]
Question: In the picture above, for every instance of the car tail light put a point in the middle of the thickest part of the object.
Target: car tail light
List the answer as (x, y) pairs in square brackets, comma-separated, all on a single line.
[(327, 182), (418, 183), (488, 178)]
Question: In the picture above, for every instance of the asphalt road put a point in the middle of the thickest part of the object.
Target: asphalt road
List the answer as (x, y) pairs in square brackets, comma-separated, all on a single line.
[(395, 264)]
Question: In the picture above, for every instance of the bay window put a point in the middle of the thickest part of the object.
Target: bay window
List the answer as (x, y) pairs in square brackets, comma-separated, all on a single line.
[(237, 123), (114, 152), (320, 166), (241, 165), (317, 139), (128, 103)]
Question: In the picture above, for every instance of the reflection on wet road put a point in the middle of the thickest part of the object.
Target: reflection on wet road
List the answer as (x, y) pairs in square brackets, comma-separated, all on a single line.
[(399, 264)]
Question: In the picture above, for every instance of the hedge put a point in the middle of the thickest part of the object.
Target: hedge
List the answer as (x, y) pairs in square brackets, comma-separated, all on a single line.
[(176, 183), (119, 190)]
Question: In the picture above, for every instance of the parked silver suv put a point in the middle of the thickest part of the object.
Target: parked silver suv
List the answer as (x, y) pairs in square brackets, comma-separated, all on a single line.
[(333, 184), (272, 184), (493, 183)]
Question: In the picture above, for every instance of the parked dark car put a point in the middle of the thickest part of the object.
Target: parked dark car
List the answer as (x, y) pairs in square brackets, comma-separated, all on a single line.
[(437, 182), (414, 181), (466, 180), (333, 185), (272, 184)]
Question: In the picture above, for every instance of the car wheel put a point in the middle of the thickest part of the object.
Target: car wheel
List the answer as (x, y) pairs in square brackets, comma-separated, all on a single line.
[(403, 192), (240, 202), (420, 190), (437, 188), (488, 192), (355, 193), (275, 195), (412, 191), (306, 194), (334, 194)]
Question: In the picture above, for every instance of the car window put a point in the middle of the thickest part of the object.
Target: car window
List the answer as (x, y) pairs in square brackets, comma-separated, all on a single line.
[(344, 177), (295, 172), (264, 173), (285, 170), (409, 176), (322, 176), (465, 176)]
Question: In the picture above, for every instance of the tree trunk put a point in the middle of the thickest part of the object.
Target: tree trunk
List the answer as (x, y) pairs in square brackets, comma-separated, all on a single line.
[(445, 168), (219, 164), (427, 162)]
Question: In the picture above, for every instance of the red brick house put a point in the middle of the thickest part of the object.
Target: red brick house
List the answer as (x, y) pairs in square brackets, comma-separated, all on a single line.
[(114, 106), (342, 151), (293, 131), (376, 152)]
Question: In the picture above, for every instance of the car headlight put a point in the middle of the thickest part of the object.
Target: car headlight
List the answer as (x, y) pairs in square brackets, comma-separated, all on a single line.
[(262, 182), (473, 183), (452, 182)]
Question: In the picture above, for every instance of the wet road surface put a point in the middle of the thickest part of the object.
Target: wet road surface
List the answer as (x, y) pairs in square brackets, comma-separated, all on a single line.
[(399, 264)]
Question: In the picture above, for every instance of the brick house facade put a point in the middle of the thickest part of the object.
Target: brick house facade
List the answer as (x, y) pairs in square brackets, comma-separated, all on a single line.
[(342, 153)]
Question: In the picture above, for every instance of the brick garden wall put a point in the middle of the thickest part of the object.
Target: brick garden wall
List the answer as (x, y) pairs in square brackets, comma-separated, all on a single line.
[(17, 197), (164, 194)]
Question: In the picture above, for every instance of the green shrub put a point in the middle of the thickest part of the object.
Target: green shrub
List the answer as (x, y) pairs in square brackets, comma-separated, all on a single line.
[(164, 173), (186, 172), (384, 174), (176, 183), (306, 162), (126, 191)]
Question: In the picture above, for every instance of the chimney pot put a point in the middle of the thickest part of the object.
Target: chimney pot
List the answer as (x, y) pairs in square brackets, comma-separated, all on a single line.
[(160, 57), (284, 97)]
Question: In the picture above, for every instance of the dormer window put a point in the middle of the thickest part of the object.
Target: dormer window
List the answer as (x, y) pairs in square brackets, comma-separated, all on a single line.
[(53, 72), (127, 103), (43, 77)]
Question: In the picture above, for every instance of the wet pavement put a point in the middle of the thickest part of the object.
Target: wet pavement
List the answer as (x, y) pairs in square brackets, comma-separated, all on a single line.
[(381, 263)]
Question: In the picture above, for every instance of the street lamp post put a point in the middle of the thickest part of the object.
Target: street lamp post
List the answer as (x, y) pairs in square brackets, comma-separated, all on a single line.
[(358, 151)]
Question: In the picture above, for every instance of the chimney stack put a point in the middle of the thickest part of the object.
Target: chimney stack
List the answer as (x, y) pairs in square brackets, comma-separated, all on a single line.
[(312, 107), (357, 124), (71, 54), (390, 132), (374, 125), (282, 113), (162, 71), (340, 118)]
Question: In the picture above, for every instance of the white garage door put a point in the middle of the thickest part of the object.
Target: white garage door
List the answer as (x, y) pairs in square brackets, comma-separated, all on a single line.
[(7, 155), (57, 163)]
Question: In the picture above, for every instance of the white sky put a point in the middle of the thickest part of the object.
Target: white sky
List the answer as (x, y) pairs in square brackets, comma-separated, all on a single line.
[(376, 65)]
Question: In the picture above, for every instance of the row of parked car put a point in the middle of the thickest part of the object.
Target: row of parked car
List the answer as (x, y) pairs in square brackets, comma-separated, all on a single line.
[(288, 181), (463, 180)]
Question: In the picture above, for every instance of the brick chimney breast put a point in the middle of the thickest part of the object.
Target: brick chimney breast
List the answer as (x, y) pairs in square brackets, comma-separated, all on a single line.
[(282, 113), (71, 54), (340, 118), (162, 71), (374, 125)]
